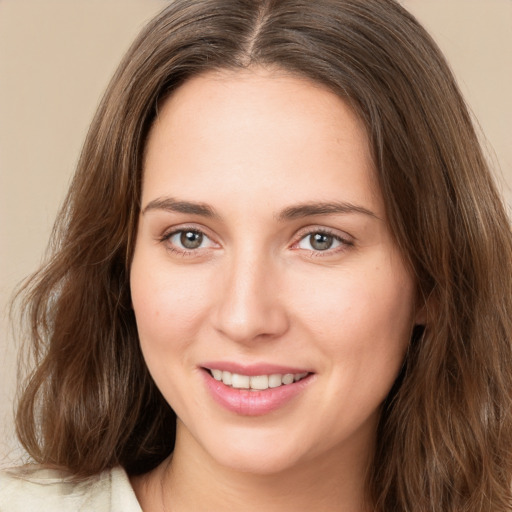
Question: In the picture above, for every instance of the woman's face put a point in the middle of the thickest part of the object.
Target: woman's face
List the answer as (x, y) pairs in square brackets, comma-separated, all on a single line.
[(264, 259)]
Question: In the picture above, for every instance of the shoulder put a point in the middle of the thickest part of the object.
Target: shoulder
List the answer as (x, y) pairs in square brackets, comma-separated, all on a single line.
[(34, 487)]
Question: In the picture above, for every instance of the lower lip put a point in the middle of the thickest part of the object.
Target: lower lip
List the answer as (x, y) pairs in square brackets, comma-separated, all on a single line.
[(254, 403)]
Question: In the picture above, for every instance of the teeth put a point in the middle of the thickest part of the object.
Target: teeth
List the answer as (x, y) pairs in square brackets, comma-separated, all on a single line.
[(288, 378), (274, 381), (239, 381), (226, 377), (257, 382)]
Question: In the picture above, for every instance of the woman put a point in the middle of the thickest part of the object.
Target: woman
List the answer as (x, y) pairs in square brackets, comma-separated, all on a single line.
[(282, 278)]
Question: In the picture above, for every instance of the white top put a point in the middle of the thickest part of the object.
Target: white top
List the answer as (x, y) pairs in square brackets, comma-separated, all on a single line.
[(35, 488)]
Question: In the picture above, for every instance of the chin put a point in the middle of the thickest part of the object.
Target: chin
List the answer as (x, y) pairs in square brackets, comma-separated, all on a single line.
[(256, 452), (259, 463)]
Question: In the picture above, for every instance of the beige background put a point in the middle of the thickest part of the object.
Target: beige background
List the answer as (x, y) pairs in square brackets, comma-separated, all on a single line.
[(56, 57)]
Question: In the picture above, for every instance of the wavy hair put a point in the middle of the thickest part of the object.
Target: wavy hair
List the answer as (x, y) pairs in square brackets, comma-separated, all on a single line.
[(445, 434)]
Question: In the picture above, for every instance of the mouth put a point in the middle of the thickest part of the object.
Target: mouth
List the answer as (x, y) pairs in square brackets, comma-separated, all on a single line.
[(255, 382), (256, 389)]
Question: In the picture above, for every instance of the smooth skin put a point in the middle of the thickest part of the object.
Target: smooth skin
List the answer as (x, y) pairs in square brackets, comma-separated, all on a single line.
[(280, 253)]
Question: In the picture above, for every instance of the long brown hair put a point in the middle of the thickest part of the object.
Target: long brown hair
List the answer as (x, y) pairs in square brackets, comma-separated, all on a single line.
[(445, 435)]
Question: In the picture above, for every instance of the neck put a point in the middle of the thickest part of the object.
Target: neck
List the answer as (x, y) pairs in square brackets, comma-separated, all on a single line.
[(191, 480)]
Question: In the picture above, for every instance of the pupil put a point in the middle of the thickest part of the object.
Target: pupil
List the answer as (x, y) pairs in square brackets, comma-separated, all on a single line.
[(191, 239), (321, 241)]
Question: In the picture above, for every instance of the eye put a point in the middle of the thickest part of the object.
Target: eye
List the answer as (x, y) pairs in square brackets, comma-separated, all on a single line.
[(185, 240), (320, 241), (188, 239)]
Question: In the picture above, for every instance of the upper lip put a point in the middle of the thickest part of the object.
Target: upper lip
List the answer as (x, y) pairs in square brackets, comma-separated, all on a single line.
[(254, 368)]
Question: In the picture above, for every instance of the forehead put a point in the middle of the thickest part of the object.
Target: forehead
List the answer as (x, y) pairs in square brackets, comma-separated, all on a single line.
[(259, 128)]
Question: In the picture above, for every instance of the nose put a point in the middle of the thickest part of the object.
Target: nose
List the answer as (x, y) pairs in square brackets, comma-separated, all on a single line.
[(250, 305)]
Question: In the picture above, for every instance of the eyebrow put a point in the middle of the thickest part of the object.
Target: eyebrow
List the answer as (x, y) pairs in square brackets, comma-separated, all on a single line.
[(174, 205), (329, 208), (298, 211)]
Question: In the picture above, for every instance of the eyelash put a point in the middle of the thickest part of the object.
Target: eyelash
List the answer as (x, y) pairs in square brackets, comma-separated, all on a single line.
[(183, 251), (344, 243)]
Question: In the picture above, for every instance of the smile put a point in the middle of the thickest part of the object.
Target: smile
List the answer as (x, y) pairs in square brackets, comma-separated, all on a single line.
[(256, 389), (256, 382)]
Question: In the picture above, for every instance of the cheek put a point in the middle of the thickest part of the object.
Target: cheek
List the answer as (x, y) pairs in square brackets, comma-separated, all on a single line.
[(168, 306), (366, 315)]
